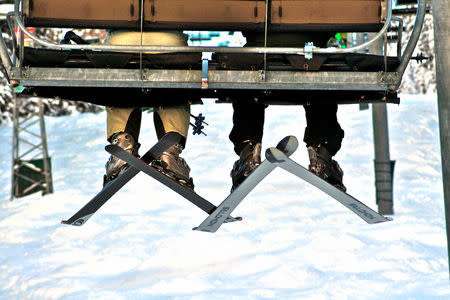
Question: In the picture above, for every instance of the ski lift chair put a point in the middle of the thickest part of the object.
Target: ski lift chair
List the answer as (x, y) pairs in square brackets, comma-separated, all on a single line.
[(121, 75)]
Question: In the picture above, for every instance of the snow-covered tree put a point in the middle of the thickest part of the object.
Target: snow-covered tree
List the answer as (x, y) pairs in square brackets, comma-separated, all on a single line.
[(420, 77), (53, 107)]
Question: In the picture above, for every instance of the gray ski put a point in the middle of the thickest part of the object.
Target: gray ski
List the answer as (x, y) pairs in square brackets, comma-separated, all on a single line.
[(81, 216), (281, 160), (287, 145), (187, 193)]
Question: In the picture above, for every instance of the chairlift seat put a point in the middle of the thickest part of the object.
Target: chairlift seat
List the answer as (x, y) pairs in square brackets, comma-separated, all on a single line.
[(49, 58), (149, 78), (119, 96)]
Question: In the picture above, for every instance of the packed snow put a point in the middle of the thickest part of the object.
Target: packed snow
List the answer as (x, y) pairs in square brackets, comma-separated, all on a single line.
[(294, 242)]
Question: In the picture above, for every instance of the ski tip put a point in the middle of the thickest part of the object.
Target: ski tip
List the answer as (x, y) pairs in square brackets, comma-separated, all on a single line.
[(238, 218), (381, 219), (275, 155), (108, 148), (288, 145), (78, 222)]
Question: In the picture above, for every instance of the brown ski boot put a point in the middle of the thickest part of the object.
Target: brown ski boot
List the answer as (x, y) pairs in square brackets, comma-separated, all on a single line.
[(115, 166), (249, 159), (326, 168), (173, 166)]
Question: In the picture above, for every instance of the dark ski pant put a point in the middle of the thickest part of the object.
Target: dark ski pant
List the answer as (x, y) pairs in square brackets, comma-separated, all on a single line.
[(322, 127)]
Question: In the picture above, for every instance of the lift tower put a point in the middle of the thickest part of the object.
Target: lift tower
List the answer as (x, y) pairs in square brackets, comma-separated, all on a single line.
[(31, 168)]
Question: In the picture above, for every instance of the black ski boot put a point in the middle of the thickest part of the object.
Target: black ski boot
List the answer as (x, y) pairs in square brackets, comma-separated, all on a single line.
[(249, 159), (115, 166), (173, 166), (326, 168)]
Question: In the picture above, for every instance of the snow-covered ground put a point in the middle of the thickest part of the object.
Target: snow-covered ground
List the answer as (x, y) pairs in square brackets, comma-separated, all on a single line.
[(295, 242)]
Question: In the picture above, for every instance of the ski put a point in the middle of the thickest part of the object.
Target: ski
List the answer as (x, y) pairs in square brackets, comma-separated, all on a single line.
[(288, 145), (187, 193), (281, 160), (80, 217)]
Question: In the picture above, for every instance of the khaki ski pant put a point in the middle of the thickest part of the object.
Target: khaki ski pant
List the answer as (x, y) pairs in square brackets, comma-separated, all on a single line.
[(166, 119)]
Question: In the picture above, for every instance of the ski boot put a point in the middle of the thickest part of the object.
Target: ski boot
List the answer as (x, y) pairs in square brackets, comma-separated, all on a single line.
[(174, 166), (115, 166), (249, 159), (326, 168)]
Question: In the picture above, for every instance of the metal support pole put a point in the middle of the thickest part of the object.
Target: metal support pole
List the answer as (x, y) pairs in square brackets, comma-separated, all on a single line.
[(48, 185), (441, 16), (383, 164), (359, 38), (15, 147)]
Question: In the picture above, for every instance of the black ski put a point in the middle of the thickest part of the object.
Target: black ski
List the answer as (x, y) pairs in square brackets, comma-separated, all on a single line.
[(80, 217), (279, 159), (187, 193), (288, 145)]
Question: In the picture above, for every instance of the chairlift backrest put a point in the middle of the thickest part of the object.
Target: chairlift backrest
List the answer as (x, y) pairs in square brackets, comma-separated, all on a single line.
[(248, 15)]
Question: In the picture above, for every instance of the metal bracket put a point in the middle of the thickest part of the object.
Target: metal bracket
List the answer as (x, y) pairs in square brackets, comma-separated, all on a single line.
[(206, 56), (262, 75), (25, 72), (392, 79), (309, 50), (144, 74)]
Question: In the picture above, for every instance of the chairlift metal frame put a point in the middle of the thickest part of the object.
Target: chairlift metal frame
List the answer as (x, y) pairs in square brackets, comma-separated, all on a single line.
[(262, 80)]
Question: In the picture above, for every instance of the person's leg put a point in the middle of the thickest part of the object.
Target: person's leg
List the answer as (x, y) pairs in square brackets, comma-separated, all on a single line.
[(248, 124), (123, 120), (122, 129), (246, 135), (173, 119), (167, 119), (322, 127), (323, 138)]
